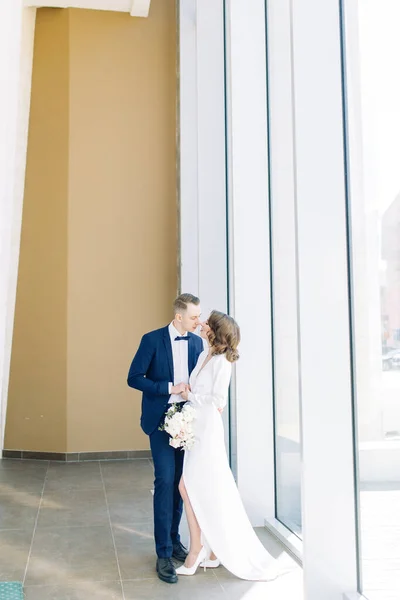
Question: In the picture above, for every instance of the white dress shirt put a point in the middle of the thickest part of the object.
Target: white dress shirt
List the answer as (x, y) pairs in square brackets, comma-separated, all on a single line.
[(180, 360)]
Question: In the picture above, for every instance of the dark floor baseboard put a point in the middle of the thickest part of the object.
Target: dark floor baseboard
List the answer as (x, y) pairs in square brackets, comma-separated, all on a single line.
[(76, 456)]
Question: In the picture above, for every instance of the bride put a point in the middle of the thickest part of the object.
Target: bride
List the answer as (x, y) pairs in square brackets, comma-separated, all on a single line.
[(220, 531)]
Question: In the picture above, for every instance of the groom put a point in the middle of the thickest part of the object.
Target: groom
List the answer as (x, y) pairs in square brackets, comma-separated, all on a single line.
[(161, 369)]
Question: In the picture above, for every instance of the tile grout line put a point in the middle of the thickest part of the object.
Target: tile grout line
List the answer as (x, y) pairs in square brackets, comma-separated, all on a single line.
[(71, 583), (220, 584), (35, 526), (112, 533)]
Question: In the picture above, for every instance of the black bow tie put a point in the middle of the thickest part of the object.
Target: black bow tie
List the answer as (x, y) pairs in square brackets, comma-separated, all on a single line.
[(181, 337)]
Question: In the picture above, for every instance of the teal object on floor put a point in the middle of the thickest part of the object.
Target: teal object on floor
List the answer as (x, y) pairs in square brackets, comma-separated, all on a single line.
[(11, 591)]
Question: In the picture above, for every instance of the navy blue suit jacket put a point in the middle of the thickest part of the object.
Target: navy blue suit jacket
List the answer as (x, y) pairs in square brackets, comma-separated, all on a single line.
[(153, 368)]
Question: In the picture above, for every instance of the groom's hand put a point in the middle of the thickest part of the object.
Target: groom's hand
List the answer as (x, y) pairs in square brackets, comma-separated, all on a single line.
[(178, 389)]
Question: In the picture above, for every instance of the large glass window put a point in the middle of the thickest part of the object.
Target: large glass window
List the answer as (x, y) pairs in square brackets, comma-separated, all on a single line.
[(372, 76), (284, 268)]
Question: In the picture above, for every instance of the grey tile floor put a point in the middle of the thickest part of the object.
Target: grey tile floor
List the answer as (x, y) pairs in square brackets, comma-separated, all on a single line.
[(83, 531)]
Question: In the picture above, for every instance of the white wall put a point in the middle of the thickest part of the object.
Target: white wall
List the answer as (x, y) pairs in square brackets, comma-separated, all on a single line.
[(17, 25)]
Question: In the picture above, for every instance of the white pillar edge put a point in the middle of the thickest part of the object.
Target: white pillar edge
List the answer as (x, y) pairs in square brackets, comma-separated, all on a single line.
[(17, 26)]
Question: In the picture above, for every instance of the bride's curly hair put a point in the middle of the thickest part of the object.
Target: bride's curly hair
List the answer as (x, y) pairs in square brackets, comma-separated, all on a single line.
[(224, 335)]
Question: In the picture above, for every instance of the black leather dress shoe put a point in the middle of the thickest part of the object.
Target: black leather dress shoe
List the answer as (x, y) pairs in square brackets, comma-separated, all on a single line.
[(166, 570), (179, 552)]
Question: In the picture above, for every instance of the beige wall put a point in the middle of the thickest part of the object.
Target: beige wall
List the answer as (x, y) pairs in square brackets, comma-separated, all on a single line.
[(122, 215), (118, 214)]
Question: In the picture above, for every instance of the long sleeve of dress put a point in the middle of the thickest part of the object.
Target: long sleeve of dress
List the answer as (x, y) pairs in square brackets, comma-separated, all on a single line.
[(218, 395)]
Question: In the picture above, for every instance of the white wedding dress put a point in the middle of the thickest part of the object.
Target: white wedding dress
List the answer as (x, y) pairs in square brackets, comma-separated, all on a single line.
[(226, 529)]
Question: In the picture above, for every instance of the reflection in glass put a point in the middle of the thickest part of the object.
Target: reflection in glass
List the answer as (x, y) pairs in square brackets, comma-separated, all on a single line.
[(284, 271)]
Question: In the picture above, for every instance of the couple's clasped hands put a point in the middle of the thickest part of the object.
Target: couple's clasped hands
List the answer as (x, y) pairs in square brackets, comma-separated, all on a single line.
[(182, 389)]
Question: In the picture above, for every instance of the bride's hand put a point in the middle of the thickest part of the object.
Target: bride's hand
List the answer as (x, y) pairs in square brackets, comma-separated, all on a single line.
[(185, 394), (220, 410)]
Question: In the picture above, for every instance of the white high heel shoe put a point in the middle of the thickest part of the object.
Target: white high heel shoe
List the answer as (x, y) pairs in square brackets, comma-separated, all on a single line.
[(192, 570), (210, 564)]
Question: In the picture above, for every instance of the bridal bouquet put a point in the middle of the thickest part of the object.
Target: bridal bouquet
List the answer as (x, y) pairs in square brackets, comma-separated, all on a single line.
[(178, 424)]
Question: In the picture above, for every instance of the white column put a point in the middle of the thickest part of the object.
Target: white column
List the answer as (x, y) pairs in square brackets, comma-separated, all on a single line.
[(250, 260), (202, 165), (202, 152), (17, 26), (329, 527), (188, 167)]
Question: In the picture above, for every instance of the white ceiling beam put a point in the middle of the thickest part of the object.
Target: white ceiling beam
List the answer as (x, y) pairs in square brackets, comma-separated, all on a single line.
[(140, 8), (137, 8), (113, 5)]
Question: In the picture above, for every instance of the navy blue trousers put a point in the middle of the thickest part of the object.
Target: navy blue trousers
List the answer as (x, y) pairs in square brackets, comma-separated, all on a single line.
[(168, 464)]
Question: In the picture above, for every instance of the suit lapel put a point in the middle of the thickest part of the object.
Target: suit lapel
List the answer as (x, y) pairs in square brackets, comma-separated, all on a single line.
[(168, 348)]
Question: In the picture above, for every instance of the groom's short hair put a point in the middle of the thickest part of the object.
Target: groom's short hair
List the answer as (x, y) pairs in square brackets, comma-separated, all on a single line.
[(182, 301)]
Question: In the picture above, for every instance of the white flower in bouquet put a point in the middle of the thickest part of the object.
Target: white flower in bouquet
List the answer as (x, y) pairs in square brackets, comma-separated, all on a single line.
[(174, 443), (178, 424), (189, 412), (174, 424)]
